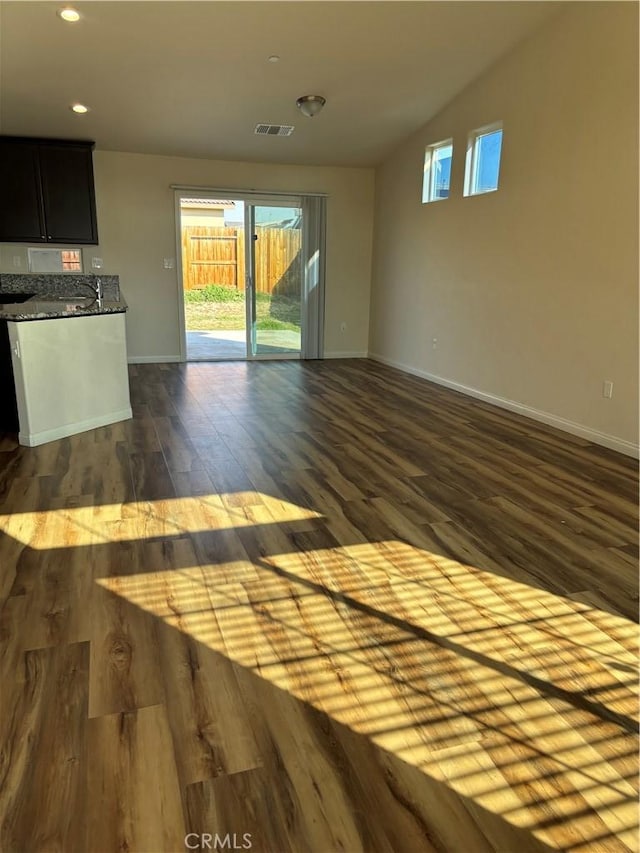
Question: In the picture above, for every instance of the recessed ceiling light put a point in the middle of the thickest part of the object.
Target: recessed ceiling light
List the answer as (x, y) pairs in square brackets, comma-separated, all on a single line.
[(273, 58), (70, 15), (79, 108)]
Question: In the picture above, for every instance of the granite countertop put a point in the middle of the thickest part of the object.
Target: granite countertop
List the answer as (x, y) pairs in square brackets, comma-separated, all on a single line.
[(45, 307), (53, 296)]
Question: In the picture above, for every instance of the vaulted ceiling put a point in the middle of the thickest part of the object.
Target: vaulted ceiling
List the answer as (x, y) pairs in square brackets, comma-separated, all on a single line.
[(193, 78)]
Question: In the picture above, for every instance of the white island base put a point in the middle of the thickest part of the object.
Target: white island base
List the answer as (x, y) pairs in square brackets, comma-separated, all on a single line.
[(70, 375)]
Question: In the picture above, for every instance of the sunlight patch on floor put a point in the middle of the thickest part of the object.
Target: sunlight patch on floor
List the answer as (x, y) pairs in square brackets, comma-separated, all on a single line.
[(90, 525), (519, 699), (513, 696)]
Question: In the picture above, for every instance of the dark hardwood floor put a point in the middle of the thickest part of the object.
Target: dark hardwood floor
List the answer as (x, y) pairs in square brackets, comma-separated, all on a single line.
[(318, 606)]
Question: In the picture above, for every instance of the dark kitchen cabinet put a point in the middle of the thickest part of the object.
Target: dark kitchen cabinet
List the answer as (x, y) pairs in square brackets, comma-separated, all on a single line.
[(46, 191), (21, 214)]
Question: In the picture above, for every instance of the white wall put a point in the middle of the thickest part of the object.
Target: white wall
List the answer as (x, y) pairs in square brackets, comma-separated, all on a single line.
[(136, 225), (14, 257), (71, 375), (531, 291)]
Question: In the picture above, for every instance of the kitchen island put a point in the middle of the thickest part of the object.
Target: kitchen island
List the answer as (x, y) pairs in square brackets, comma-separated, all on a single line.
[(65, 356)]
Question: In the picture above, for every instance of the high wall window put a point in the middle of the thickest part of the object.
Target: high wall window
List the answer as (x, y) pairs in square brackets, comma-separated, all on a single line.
[(483, 160), (437, 171)]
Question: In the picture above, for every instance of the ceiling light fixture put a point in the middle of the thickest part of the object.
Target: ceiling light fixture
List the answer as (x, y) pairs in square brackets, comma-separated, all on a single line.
[(310, 105), (70, 15), (273, 58), (79, 108)]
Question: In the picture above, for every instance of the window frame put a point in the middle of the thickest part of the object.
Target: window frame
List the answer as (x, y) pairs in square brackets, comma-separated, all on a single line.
[(52, 260), (471, 163), (428, 173)]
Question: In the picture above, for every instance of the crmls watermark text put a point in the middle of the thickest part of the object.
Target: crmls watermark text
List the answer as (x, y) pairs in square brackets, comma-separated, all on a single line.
[(213, 841)]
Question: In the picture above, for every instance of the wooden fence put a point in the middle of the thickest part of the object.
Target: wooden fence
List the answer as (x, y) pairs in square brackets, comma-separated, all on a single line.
[(216, 256)]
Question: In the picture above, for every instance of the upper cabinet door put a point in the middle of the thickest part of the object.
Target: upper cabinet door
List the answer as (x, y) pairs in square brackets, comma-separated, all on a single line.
[(21, 211), (66, 173)]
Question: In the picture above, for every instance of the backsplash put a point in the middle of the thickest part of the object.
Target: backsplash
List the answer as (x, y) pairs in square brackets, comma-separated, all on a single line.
[(60, 285)]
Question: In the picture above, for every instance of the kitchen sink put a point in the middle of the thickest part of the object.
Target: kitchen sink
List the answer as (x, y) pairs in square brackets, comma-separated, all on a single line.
[(81, 300), (69, 303)]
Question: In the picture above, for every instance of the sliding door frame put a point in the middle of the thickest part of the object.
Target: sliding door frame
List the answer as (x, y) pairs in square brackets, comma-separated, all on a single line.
[(251, 199), (250, 278)]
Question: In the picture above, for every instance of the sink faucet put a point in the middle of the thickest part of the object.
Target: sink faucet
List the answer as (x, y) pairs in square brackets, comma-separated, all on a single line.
[(99, 291)]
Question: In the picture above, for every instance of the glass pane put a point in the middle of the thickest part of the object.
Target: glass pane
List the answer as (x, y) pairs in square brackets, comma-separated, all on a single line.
[(278, 280), (488, 148), (213, 270), (441, 167), (55, 260)]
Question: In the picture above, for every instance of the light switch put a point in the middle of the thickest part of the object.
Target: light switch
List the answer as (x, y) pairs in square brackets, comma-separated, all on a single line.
[(169, 263)]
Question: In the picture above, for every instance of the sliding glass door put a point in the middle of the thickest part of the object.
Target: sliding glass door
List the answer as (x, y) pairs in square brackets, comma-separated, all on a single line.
[(274, 283), (252, 275)]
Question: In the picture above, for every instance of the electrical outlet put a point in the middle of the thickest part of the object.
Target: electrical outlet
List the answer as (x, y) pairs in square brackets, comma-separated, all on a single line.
[(434, 343), (607, 389), (169, 263), (96, 263), (17, 261)]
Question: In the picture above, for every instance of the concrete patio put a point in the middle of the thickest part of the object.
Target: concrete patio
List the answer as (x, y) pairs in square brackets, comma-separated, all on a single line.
[(229, 345)]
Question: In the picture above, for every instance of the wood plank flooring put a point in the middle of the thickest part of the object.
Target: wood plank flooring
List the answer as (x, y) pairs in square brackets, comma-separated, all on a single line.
[(317, 607)]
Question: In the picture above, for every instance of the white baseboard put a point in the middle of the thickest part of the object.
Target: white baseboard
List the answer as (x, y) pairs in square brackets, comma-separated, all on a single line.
[(338, 354), (602, 438), (33, 439), (153, 359), (164, 359)]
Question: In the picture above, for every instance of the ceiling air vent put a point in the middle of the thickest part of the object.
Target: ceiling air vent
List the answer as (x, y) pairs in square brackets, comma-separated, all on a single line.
[(274, 129)]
